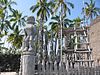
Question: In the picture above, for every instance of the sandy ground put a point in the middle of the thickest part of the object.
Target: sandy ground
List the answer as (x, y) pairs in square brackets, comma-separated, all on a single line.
[(8, 73)]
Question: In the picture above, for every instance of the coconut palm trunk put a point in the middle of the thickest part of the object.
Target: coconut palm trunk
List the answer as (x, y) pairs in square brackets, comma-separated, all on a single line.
[(61, 29), (41, 33), (43, 12), (63, 9), (91, 18), (56, 42)]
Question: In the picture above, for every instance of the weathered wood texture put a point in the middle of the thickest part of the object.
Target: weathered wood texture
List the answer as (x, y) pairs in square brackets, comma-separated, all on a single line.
[(53, 70)]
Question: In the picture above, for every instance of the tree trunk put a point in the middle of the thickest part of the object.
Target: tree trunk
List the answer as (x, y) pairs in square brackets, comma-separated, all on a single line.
[(91, 18), (56, 43)]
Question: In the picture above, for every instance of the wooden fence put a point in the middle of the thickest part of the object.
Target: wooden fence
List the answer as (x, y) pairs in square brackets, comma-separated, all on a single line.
[(60, 69)]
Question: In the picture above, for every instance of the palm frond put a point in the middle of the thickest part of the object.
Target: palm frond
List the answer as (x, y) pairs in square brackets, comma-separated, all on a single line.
[(56, 18), (53, 23), (86, 4), (70, 4), (34, 7)]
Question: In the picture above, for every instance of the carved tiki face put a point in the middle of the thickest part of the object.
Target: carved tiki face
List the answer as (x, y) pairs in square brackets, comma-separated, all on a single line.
[(31, 20)]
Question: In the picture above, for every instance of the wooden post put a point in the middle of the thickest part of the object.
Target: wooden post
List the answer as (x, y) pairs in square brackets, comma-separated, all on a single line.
[(28, 63)]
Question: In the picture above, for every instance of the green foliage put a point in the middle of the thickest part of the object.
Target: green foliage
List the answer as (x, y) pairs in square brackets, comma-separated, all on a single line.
[(64, 4), (90, 10), (77, 21), (8, 62), (55, 24), (17, 19), (43, 9), (11, 22), (15, 38)]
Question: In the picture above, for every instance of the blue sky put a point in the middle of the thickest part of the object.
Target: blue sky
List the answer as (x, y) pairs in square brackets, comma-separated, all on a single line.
[(24, 5)]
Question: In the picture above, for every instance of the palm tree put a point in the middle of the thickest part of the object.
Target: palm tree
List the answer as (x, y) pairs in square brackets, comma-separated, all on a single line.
[(90, 10), (10, 20), (16, 18), (55, 26), (46, 43), (63, 9), (55, 23), (6, 6), (63, 5), (16, 21), (77, 21), (15, 38), (43, 12), (43, 9), (5, 10)]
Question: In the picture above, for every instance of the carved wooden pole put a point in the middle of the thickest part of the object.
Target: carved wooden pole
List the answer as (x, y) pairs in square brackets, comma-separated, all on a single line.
[(28, 57), (28, 63)]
